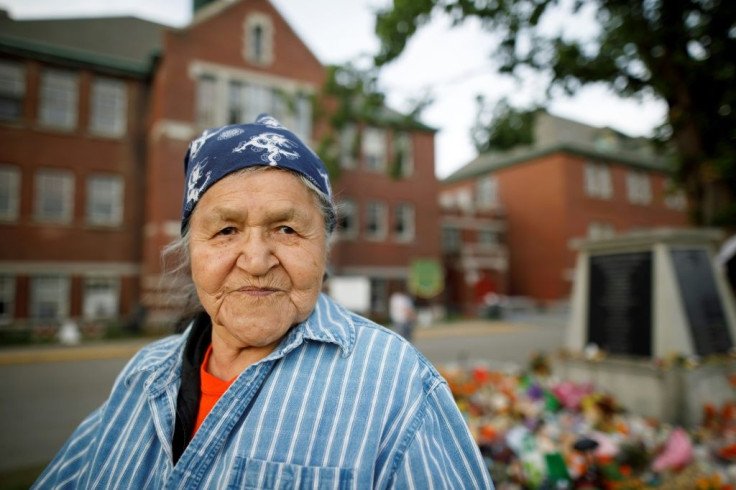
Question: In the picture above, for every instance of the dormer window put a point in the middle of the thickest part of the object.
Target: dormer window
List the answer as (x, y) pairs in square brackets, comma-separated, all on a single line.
[(258, 39)]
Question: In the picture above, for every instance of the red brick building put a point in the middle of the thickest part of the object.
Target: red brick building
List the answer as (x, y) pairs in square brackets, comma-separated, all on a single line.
[(474, 253), (95, 118), (574, 181), (387, 197)]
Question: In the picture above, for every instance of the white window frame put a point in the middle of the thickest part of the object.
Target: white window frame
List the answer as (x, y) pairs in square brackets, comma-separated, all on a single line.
[(7, 298), (597, 180), (403, 142), (346, 144), (47, 183), (486, 192), (404, 214), (10, 181), (59, 294), (88, 302), (259, 99), (303, 116), (108, 107), (376, 212), (236, 106), (447, 200), (374, 149), (12, 89), (251, 52), (348, 208), (464, 200), (59, 104), (598, 230), (206, 102), (107, 190), (638, 187)]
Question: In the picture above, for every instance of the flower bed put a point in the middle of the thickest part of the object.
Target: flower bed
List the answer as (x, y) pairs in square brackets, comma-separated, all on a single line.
[(539, 432)]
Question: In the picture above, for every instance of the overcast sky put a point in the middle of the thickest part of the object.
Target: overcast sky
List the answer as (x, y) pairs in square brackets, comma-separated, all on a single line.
[(454, 64)]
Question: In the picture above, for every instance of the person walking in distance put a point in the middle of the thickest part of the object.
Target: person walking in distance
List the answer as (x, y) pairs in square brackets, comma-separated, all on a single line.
[(403, 314)]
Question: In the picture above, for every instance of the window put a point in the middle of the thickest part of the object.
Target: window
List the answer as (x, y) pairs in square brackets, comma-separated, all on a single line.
[(303, 124), (674, 197), (259, 99), (464, 200), (105, 200), (447, 200), (101, 297), (206, 101), (379, 293), (258, 42), (638, 187), (109, 107), (49, 297), (59, 97), (348, 149), (404, 222), (374, 149), (450, 239), (598, 180), (7, 298), (598, 231), (403, 155), (486, 192), (487, 238), (9, 192), (375, 221), (12, 90), (236, 103), (54, 195), (348, 219)]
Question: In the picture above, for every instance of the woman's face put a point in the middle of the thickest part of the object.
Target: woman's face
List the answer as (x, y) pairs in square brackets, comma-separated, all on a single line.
[(258, 252)]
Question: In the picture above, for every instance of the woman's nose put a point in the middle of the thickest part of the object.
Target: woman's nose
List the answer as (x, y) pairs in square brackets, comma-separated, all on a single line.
[(256, 255)]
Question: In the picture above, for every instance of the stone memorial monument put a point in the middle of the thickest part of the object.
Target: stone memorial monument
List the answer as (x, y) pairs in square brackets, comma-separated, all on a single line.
[(645, 298)]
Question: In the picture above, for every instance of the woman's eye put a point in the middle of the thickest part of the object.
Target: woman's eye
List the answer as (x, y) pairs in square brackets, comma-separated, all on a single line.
[(229, 230), (286, 230)]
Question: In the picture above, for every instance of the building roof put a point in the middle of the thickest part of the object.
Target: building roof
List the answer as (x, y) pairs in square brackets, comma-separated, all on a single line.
[(554, 134), (126, 44)]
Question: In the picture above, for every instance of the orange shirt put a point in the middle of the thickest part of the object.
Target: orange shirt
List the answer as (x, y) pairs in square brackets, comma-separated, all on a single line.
[(211, 389)]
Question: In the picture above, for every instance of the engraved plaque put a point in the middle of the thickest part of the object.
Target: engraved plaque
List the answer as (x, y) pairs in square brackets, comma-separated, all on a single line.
[(620, 303)]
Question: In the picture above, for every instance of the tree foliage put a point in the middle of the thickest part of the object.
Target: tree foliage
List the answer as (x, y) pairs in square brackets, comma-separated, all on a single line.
[(501, 127), (681, 51)]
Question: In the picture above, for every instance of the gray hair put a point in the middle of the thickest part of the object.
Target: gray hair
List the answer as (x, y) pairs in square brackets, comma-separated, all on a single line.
[(176, 281)]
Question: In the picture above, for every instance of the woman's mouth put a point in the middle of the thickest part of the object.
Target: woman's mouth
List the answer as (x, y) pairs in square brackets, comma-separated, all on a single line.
[(257, 292)]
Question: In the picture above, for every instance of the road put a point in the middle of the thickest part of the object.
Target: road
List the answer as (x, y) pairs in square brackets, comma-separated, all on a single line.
[(44, 397)]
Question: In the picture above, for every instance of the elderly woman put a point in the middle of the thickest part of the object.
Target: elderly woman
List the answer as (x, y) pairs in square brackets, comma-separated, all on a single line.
[(272, 385)]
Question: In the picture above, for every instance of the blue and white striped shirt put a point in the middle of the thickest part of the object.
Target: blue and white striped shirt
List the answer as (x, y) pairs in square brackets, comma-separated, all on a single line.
[(341, 403)]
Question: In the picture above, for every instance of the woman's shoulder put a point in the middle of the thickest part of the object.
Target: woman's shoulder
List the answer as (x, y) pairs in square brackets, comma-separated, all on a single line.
[(161, 353), (391, 348)]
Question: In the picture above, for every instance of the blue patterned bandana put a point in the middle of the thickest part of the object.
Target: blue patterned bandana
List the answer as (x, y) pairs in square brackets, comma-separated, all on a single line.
[(218, 152)]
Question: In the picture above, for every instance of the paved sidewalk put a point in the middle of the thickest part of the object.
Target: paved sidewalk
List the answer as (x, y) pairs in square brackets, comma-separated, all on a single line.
[(85, 352), (126, 348)]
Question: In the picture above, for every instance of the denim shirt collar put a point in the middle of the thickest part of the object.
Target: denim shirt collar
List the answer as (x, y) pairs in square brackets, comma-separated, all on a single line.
[(328, 323)]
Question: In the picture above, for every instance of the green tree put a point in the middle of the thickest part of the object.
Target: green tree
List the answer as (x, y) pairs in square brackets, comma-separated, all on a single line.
[(501, 127), (681, 51)]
